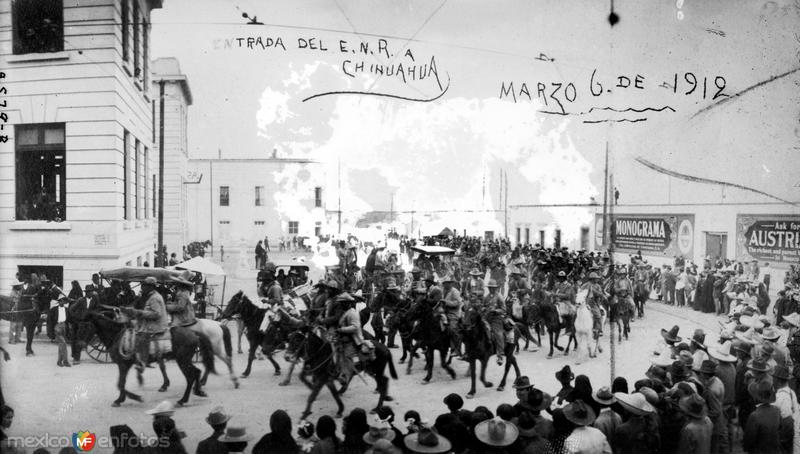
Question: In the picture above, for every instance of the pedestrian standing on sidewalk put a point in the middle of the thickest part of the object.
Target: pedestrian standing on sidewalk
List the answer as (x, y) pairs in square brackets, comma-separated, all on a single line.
[(260, 252), (61, 332)]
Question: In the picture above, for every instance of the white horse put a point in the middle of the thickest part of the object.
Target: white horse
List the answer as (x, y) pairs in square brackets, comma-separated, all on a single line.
[(584, 324), (220, 337)]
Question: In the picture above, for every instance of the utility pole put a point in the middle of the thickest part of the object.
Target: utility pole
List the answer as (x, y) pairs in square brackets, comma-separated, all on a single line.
[(161, 259), (340, 194), (391, 210), (505, 180)]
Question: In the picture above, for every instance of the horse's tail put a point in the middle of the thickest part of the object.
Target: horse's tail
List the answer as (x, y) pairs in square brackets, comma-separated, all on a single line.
[(226, 340), (207, 353), (392, 371)]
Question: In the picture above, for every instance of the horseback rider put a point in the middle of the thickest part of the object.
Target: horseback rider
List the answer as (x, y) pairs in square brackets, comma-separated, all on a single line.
[(495, 310), (475, 283), (181, 308), (453, 310), (350, 339), (151, 321), (623, 289), (384, 305), (594, 299), (565, 301)]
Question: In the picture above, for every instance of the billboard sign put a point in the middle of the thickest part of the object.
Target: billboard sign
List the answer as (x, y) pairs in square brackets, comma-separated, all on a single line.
[(770, 238), (664, 235)]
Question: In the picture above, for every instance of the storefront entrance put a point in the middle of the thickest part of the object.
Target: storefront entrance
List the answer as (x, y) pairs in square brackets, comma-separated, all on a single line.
[(716, 245)]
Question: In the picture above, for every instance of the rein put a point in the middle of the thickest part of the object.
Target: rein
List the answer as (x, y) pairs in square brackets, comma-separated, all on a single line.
[(324, 362)]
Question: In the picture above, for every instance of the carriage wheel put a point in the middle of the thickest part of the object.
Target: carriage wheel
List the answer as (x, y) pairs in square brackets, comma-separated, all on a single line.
[(97, 350)]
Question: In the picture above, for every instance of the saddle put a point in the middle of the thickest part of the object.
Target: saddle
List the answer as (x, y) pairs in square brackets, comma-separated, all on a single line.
[(367, 351), (159, 343)]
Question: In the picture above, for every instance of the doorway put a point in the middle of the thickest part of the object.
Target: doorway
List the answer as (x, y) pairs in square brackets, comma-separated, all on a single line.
[(717, 245)]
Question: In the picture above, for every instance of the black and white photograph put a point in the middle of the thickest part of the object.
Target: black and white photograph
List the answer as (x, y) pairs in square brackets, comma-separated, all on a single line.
[(400, 226)]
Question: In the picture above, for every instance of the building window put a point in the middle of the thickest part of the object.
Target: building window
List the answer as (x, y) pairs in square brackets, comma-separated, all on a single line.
[(224, 222), (541, 238), (136, 164), (145, 173), (145, 55), (136, 39), (54, 274), (584, 237), (41, 176), (557, 239), (259, 196), (318, 229), (527, 235), (155, 198), (258, 222), (224, 194), (519, 234), (294, 227), (126, 23), (38, 26), (318, 197)]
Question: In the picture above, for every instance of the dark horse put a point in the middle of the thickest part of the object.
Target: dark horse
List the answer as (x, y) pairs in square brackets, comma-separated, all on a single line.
[(184, 344), (409, 332), (433, 338), (553, 324), (26, 310), (640, 296), (478, 347), (269, 341), (318, 356), (620, 312)]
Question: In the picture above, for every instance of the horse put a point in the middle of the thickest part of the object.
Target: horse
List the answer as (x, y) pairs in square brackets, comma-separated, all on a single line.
[(531, 318), (220, 337), (252, 316), (25, 309), (640, 296), (320, 363), (619, 313), (553, 324), (184, 344), (409, 333), (478, 347), (433, 338), (584, 323)]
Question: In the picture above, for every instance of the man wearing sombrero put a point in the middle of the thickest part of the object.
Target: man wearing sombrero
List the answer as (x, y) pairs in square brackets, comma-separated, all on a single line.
[(152, 320), (181, 308), (594, 299), (565, 300), (495, 313), (475, 284), (584, 438)]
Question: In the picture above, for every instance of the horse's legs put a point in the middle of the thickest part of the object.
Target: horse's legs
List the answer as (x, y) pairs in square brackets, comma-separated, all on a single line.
[(429, 364), (251, 355), (316, 386), (239, 332), (550, 335), (336, 397), (411, 358), (277, 366), (471, 392), (163, 368), (288, 378), (487, 384), (446, 364)]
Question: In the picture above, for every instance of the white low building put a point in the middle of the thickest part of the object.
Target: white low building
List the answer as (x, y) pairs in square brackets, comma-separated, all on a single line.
[(241, 201)]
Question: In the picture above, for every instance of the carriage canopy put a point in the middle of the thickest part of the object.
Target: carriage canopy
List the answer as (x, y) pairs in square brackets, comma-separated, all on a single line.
[(139, 273)]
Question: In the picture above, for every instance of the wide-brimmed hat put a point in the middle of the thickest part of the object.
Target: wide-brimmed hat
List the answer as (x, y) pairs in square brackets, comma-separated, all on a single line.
[(663, 359), (635, 403), (184, 278), (693, 405), (86, 289), (671, 335), (496, 432), (579, 413), (604, 396), (723, 352), (426, 440), (770, 333), (782, 372), (656, 372), (391, 284), (706, 367), (235, 434), (475, 272), (651, 395), (378, 429), (594, 275), (742, 346), (678, 371), (793, 319), (217, 416), (165, 408), (149, 280), (565, 374), (345, 298), (492, 283), (562, 273), (332, 283), (758, 365), (522, 382), (448, 278), (699, 338), (383, 446), (539, 400), (750, 336), (751, 321), (762, 392)]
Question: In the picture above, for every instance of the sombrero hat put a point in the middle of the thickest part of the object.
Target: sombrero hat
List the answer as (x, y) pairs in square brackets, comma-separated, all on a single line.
[(635, 403), (793, 319), (723, 352), (497, 432), (426, 441), (671, 335), (579, 413)]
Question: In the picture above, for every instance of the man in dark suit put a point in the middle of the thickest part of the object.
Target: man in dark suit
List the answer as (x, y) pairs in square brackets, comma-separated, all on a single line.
[(218, 420), (761, 431), (76, 317)]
